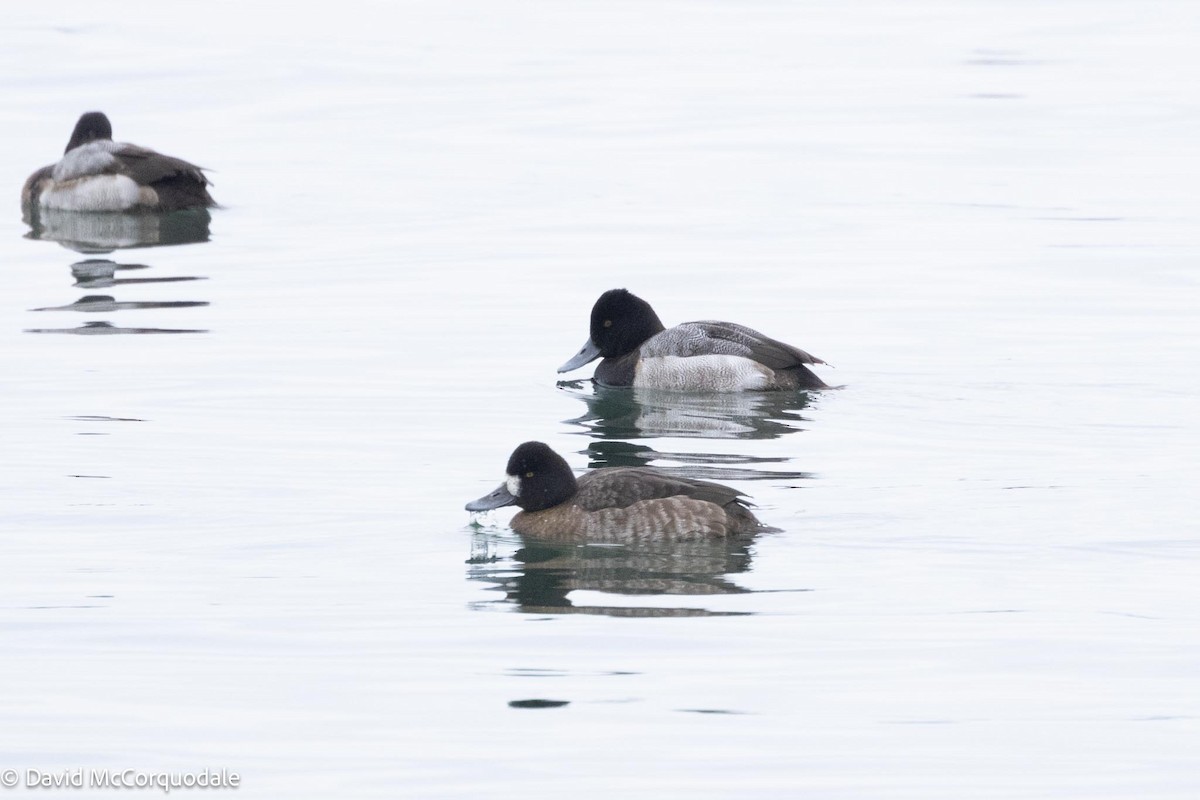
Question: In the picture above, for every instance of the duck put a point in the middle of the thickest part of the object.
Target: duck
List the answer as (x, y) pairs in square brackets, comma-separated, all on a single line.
[(613, 504), (98, 174), (705, 356)]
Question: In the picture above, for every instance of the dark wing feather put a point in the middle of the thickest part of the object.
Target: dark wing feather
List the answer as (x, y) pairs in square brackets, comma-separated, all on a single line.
[(727, 338), (620, 487), (148, 167), (179, 183)]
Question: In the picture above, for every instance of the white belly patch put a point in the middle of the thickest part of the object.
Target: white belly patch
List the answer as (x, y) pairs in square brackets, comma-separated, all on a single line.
[(94, 193), (710, 373)]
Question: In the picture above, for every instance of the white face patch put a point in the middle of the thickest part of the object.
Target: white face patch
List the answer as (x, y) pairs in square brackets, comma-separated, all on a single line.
[(708, 373), (513, 484), (97, 193)]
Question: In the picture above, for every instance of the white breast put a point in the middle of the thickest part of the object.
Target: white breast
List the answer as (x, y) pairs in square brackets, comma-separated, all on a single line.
[(708, 373), (95, 193)]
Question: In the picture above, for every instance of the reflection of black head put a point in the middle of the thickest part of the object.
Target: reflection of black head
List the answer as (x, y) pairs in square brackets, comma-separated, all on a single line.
[(546, 478), (621, 322), (92, 126)]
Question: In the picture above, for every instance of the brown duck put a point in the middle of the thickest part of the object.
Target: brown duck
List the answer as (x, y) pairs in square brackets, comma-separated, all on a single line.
[(614, 504)]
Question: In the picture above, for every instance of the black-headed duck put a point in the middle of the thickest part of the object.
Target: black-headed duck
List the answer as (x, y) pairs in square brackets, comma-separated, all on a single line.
[(706, 356), (613, 504), (98, 174)]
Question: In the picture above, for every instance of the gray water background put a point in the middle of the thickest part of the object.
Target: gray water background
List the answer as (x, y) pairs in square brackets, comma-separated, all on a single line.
[(245, 547)]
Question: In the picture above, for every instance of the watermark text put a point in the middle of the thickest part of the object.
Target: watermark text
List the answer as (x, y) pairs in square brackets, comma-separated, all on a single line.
[(164, 781)]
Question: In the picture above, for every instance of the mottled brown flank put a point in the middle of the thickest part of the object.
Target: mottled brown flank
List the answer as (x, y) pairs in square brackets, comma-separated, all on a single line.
[(677, 517), (716, 513), (34, 185)]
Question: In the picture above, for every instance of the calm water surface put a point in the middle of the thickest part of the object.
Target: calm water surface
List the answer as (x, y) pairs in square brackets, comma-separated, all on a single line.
[(237, 452)]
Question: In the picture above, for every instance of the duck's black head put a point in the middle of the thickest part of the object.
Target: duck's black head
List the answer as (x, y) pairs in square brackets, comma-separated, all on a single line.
[(92, 126), (537, 478), (621, 322), (543, 477)]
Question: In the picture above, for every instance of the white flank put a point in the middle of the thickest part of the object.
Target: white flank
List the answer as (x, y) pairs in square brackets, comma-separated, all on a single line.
[(708, 373), (97, 193)]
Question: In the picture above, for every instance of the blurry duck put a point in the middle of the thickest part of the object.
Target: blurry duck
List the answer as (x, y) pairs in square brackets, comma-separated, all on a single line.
[(613, 504), (98, 174), (704, 356)]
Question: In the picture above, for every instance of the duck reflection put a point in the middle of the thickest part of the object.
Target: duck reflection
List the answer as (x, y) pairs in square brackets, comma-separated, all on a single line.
[(90, 232), (647, 413), (539, 576), (100, 233), (700, 466), (108, 329), (96, 303), (100, 273)]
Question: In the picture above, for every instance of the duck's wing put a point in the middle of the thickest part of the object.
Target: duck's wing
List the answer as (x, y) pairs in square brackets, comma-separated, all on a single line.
[(620, 487), (711, 337), (178, 183), (148, 167)]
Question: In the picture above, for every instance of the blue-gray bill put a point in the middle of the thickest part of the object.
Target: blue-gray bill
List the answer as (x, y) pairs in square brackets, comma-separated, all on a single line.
[(498, 499), (588, 354)]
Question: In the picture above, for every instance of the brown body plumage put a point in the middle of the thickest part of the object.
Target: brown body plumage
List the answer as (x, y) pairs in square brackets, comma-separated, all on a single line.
[(615, 504)]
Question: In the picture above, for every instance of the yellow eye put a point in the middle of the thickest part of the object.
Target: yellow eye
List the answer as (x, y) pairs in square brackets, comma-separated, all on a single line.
[(608, 323), (528, 474)]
